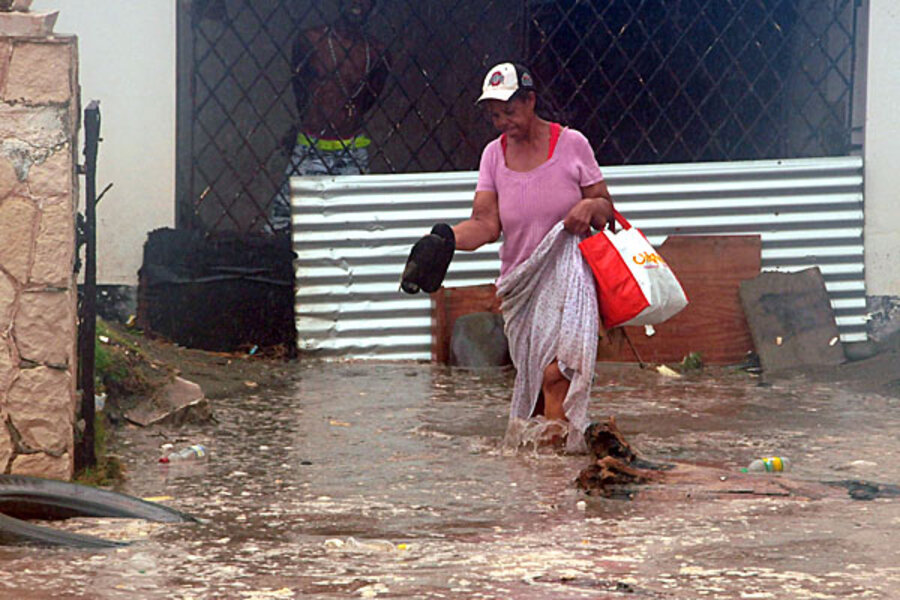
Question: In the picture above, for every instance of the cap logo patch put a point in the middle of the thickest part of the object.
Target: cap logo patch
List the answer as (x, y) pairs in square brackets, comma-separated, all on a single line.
[(527, 81), (496, 78)]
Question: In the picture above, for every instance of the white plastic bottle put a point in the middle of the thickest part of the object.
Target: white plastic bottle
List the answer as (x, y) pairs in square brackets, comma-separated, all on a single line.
[(769, 464), (195, 452)]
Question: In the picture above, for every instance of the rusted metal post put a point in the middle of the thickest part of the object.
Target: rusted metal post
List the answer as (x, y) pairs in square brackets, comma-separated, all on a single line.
[(88, 330)]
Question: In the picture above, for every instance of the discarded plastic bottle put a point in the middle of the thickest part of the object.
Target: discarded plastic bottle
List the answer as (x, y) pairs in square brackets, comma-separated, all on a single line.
[(769, 464), (371, 545), (195, 452)]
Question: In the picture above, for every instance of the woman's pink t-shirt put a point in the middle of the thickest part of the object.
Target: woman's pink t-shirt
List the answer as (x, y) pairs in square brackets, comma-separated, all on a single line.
[(531, 203)]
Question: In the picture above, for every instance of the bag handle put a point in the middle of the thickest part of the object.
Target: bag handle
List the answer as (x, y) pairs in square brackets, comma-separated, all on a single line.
[(617, 217)]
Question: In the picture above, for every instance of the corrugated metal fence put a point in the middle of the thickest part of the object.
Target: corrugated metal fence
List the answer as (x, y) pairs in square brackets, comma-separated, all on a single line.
[(352, 235)]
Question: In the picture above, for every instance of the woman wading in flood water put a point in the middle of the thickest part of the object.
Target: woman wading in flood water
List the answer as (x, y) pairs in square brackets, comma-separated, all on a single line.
[(540, 186)]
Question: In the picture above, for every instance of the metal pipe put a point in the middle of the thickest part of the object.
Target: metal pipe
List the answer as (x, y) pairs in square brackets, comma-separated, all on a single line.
[(89, 302)]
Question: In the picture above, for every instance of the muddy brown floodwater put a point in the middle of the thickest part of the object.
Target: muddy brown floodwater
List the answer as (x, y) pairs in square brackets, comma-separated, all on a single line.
[(362, 480)]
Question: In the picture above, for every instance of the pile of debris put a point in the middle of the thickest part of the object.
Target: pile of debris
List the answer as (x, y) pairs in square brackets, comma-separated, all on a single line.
[(616, 471)]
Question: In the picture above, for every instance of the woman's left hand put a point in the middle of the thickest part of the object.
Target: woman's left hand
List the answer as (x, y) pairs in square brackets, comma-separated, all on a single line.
[(588, 212)]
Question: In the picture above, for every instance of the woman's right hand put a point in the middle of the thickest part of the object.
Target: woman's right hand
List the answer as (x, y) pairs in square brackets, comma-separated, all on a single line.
[(587, 213)]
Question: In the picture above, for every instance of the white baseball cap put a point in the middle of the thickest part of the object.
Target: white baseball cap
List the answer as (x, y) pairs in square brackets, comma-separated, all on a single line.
[(504, 80)]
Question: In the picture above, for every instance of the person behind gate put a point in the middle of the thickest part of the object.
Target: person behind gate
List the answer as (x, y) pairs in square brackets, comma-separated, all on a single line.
[(338, 74)]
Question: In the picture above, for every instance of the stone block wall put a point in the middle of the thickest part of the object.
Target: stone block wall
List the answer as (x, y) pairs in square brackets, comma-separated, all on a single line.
[(39, 120)]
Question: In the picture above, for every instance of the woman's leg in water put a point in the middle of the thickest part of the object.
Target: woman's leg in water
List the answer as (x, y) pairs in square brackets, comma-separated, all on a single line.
[(554, 387)]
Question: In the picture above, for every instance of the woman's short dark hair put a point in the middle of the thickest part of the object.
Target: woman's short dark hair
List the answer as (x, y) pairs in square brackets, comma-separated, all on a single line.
[(521, 94)]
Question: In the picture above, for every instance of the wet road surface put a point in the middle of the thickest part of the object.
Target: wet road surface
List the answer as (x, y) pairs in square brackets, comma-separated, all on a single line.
[(367, 480)]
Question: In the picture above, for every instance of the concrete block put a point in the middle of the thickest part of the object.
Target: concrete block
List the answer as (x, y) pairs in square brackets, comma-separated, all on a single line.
[(18, 222), (29, 135), (7, 446), (9, 182), (5, 53), (478, 340), (8, 367), (176, 403), (21, 24), (54, 247), (791, 320), (40, 408), (39, 73), (45, 465), (45, 327), (40, 126), (448, 304), (53, 177), (854, 351), (7, 302)]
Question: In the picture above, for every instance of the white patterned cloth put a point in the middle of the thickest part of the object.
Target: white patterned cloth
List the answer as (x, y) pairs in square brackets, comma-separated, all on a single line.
[(549, 305)]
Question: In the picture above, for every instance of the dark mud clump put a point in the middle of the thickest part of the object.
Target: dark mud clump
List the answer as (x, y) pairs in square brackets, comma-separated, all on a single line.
[(614, 464)]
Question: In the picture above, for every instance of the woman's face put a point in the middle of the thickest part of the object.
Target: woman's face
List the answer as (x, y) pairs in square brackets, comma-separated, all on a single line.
[(512, 118)]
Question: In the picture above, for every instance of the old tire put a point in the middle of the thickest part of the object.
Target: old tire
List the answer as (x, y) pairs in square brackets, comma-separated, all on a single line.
[(23, 497), (14, 532), (26, 497)]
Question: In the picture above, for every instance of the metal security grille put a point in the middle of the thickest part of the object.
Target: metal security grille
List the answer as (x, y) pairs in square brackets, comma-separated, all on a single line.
[(271, 87), (676, 81)]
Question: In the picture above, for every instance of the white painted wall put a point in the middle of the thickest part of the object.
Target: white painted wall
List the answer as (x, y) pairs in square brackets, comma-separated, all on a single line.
[(882, 150), (127, 61)]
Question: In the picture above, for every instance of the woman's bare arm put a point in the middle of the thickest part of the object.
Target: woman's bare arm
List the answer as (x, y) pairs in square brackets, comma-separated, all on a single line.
[(594, 210), (483, 227)]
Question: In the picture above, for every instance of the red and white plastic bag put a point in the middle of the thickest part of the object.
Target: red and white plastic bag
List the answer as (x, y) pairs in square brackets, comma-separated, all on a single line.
[(635, 286)]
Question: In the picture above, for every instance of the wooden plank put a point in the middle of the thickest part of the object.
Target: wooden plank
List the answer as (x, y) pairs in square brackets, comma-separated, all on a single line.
[(710, 269)]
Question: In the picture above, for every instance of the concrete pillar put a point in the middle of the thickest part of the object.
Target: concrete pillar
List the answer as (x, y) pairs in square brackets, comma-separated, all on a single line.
[(39, 118), (882, 175)]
